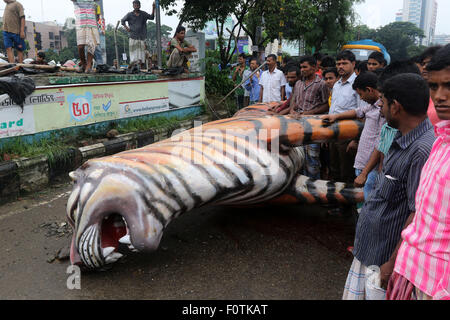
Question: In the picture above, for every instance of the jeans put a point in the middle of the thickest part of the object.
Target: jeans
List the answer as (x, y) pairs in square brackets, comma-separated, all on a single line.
[(341, 162), (312, 161), (240, 102), (13, 40), (370, 183), (98, 55)]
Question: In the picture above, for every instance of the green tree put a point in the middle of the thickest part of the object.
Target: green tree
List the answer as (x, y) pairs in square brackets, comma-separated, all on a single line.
[(360, 32), (399, 38), (196, 13), (166, 31), (122, 43), (319, 22)]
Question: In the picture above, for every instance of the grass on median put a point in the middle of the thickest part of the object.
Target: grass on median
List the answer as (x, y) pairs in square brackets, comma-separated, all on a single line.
[(55, 147)]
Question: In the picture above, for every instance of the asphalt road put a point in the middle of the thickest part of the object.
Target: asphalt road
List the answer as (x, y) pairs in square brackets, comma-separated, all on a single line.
[(291, 253)]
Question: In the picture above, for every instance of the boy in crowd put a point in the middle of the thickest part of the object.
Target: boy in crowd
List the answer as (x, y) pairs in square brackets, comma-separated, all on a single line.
[(327, 62), (293, 75), (422, 265), (361, 67), (366, 86), (405, 99), (388, 133), (252, 84), (330, 76), (238, 76), (40, 59), (376, 61), (318, 57), (424, 59)]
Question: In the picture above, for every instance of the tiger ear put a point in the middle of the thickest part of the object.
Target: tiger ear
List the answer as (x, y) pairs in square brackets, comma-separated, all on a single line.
[(73, 176)]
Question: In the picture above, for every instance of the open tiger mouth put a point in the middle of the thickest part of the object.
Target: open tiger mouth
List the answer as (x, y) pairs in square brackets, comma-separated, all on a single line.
[(114, 231)]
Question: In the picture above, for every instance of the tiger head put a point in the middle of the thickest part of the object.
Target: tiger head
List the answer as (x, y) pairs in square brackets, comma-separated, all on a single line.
[(107, 208)]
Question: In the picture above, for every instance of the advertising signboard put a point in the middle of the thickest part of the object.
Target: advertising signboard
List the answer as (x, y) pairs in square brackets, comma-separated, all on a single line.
[(58, 107)]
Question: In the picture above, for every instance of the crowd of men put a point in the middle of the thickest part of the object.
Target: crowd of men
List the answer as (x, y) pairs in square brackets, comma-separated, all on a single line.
[(401, 159)]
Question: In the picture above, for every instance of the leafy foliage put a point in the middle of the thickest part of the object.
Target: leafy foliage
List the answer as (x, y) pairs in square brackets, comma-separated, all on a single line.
[(216, 80), (196, 13), (399, 38), (319, 23)]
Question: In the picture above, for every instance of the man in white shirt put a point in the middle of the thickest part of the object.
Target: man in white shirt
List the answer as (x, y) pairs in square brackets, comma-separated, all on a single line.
[(272, 82)]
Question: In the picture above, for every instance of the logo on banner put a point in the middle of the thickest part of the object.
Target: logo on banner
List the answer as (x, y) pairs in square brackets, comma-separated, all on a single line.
[(107, 106), (80, 106)]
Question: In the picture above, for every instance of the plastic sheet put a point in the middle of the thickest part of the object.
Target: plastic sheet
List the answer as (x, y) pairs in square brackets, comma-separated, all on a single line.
[(18, 88), (373, 283)]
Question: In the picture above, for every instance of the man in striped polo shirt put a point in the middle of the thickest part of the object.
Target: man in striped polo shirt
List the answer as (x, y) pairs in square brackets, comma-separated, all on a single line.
[(422, 268), (405, 99)]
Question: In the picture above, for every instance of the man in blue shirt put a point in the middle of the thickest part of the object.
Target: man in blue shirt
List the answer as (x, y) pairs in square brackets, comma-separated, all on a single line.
[(252, 84)]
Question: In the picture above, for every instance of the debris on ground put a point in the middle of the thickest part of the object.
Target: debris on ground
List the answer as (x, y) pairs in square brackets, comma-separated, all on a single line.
[(55, 229)]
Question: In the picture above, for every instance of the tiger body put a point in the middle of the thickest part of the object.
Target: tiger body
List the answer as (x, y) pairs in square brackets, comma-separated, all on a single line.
[(252, 158)]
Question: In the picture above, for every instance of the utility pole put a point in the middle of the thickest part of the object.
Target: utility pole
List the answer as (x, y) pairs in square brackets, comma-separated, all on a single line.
[(158, 34), (103, 27), (42, 10), (260, 48), (280, 34)]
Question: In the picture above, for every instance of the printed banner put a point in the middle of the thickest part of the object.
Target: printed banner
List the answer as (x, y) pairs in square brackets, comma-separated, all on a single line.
[(52, 108), (140, 108), (14, 122)]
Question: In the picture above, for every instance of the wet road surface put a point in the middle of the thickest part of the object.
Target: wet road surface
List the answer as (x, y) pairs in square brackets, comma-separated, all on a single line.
[(276, 253)]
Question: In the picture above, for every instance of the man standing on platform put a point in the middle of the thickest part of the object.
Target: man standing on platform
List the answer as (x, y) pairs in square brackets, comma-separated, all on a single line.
[(137, 28), (87, 32), (14, 30)]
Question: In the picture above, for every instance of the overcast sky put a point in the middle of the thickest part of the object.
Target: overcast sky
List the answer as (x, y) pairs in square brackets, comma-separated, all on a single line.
[(374, 13)]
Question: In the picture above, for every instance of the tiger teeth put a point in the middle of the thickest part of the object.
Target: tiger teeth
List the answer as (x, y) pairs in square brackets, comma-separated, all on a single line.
[(125, 240), (107, 251), (132, 248), (113, 257)]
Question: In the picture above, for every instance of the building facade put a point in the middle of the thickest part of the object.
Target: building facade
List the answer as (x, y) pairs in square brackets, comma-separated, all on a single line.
[(423, 13), (442, 39), (43, 36), (399, 16)]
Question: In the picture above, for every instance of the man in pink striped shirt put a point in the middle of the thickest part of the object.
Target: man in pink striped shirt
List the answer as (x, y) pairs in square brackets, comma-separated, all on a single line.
[(422, 267)]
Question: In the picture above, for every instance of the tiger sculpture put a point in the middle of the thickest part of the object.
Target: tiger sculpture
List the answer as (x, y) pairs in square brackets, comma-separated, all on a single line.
[(252, 158)]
